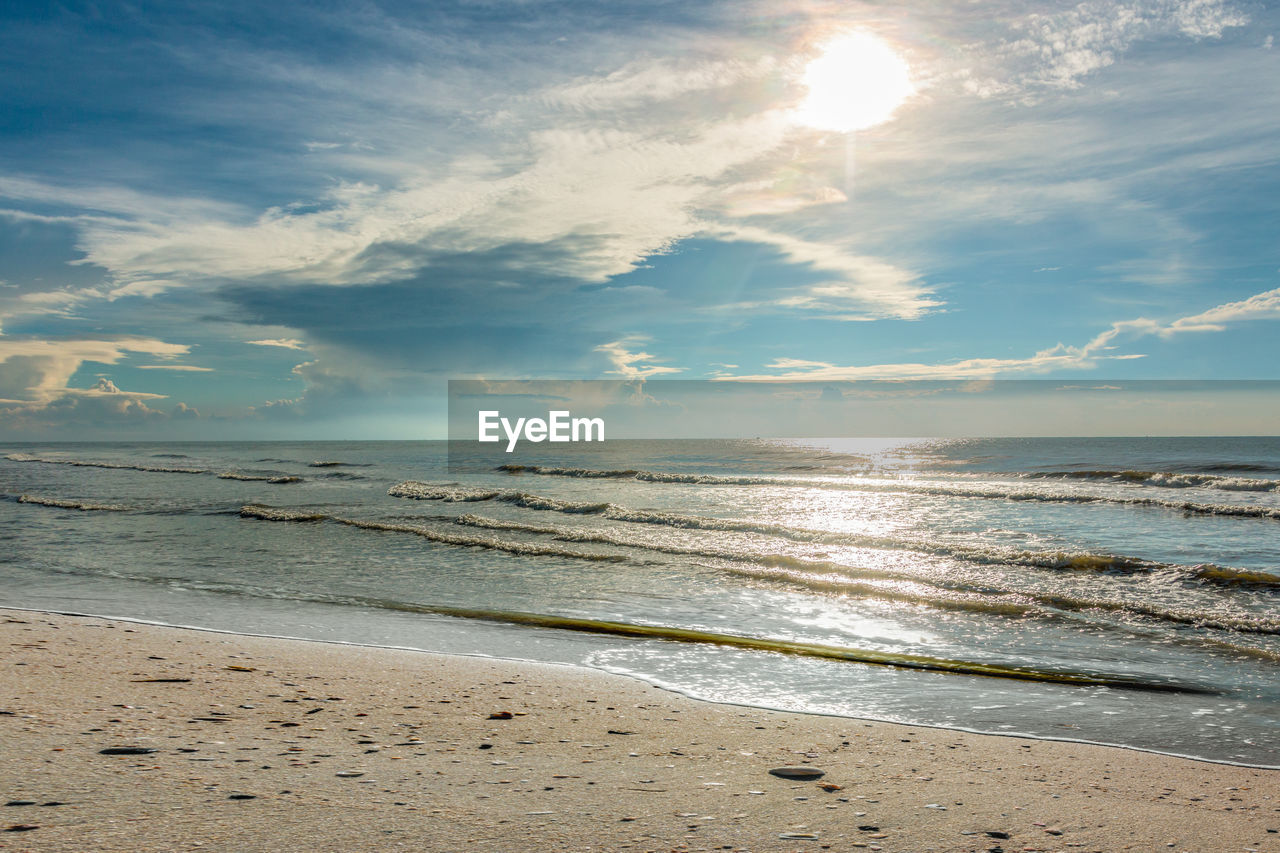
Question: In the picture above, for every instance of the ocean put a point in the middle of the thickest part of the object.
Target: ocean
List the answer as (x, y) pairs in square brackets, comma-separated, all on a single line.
[(1111, 590)]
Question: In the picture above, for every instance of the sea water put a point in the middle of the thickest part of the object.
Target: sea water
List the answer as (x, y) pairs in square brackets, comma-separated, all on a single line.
[(1120, 591)]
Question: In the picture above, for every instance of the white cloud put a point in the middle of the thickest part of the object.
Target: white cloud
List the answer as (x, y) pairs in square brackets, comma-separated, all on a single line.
[(1260, 306), (37, 371), (1101, 348), (646, 81), (598, 187), (186, 368), (633, 365), (1056, 50), (614, 196), (286, 343), (860, 287)]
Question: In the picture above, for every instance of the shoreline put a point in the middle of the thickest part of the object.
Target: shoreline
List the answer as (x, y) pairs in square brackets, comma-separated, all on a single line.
[(672, 689), (585, 760)]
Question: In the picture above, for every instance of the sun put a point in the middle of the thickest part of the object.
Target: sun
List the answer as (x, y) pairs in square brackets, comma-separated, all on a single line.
[(857, 82)]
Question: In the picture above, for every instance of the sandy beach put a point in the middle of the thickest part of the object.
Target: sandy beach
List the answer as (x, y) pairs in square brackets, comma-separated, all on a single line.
[(265, 744)]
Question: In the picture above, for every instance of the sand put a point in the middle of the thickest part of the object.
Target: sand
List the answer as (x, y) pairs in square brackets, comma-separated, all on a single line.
[(268, 744)]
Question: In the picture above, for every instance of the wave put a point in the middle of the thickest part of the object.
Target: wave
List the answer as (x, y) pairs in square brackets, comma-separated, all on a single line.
[(983, 555), (81, 463), (892, 659), (652, 476), (159, 469), (449, 492), (909, 488), (61, 503), (829, 576), (1241, 467), (261, 478), (265, 513), (1233, 576), (1162, 479), (453, 493)]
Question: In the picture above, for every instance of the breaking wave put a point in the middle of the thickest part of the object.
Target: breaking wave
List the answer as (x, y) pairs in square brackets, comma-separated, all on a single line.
[(1162, 479), (986, 555), (828, 576), (909, 488), (265, 513), (260, 478), (81, 463), (158, 469), (85, 506)]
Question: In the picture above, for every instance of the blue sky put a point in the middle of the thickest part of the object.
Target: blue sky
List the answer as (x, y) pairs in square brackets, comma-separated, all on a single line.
[(299, 220)]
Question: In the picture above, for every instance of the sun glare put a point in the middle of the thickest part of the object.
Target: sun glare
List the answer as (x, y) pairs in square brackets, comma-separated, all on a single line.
[(856, 83)]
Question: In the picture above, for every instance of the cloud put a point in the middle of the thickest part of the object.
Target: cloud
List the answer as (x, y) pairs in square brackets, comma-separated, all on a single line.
[(646, 81), (619, 196), (286, 343), (103, 406), (1059, 357), (1056, 50), (184, 368), (859, 287), (1260, 306), (633, 365), (37, 371)]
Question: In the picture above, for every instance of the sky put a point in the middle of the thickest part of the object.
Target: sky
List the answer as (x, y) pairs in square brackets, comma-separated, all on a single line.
[(288, 220)]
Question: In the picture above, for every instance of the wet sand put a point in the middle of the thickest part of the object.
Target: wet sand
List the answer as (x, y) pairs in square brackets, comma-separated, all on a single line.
[(268, 744)]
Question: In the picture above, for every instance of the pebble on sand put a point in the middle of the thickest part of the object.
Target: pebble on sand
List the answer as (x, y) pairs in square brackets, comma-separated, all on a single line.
[(798, 772), (127, 750)]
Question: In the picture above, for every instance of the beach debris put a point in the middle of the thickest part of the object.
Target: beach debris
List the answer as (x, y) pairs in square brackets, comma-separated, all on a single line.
[(243, 797), (159, 680), (127, 750), (235, 667), (348, 774), (798, 772), (995, 833), (831, 786), (21, 803), (798, 836), (52, 803), (501, 715), (22, 827), (867, 827)]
